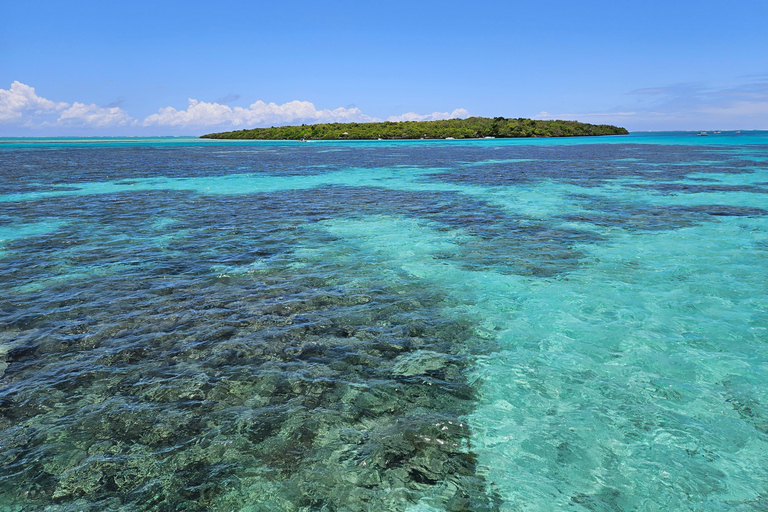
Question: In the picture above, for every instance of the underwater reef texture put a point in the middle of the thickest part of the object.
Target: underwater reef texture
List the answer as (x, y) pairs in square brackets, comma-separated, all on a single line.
[(169, 349)]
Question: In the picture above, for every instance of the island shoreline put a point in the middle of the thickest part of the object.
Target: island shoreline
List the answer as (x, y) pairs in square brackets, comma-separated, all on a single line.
[(472, 128)]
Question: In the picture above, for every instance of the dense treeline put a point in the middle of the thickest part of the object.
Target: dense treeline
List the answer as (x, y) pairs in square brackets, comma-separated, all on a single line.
[(470, 128)]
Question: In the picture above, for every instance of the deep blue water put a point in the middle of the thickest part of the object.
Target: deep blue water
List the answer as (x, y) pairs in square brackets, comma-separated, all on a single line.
[(556, 324)]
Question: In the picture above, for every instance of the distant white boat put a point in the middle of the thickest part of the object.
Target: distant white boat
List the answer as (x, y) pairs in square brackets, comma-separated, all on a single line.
[(702, 134), (449, 138)]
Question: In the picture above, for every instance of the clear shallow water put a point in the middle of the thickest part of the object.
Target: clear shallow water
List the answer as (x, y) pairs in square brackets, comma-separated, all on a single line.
[(556, 324)]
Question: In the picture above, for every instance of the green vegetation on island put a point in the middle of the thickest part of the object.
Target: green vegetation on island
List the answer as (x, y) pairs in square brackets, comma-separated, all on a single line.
[(470, 128)]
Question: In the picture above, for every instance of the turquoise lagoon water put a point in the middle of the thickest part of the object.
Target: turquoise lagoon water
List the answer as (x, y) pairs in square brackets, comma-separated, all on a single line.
[(513, 325)]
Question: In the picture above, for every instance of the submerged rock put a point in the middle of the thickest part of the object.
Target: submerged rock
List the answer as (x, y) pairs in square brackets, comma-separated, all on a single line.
[(419, 362)]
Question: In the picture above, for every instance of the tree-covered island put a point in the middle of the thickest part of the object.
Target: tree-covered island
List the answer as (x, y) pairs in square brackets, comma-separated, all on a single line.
[(470, 128)]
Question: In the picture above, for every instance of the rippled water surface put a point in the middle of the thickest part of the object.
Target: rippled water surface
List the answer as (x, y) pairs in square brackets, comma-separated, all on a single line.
[(497, 325)]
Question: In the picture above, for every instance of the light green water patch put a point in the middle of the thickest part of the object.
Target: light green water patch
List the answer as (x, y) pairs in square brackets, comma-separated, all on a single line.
[(744, 178), (163, 223), (32, 229), (16, 231), (257, 266), (624, 384), (541, 199), (381, 239), (166, 231), (233, 184), (498, 161), (754, 158), (538, 200), (625, 190), (737, 199), (68, 273), (548, 199), (692, 163), (754, 177)]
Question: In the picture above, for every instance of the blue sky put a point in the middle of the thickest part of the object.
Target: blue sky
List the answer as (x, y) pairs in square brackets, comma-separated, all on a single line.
[(187, 68)]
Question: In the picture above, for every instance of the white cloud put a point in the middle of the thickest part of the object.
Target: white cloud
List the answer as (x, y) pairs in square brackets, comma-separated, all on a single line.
[(21, 102), (201, 113), (80, 114), (21, 107), (434, 116)]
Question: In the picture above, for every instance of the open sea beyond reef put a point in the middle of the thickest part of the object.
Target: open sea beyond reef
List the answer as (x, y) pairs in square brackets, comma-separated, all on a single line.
[(421, 326)]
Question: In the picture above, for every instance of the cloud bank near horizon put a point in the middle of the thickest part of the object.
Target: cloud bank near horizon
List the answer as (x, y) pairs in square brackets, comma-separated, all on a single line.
[(20, 106), (689, 106), (203, 114)]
